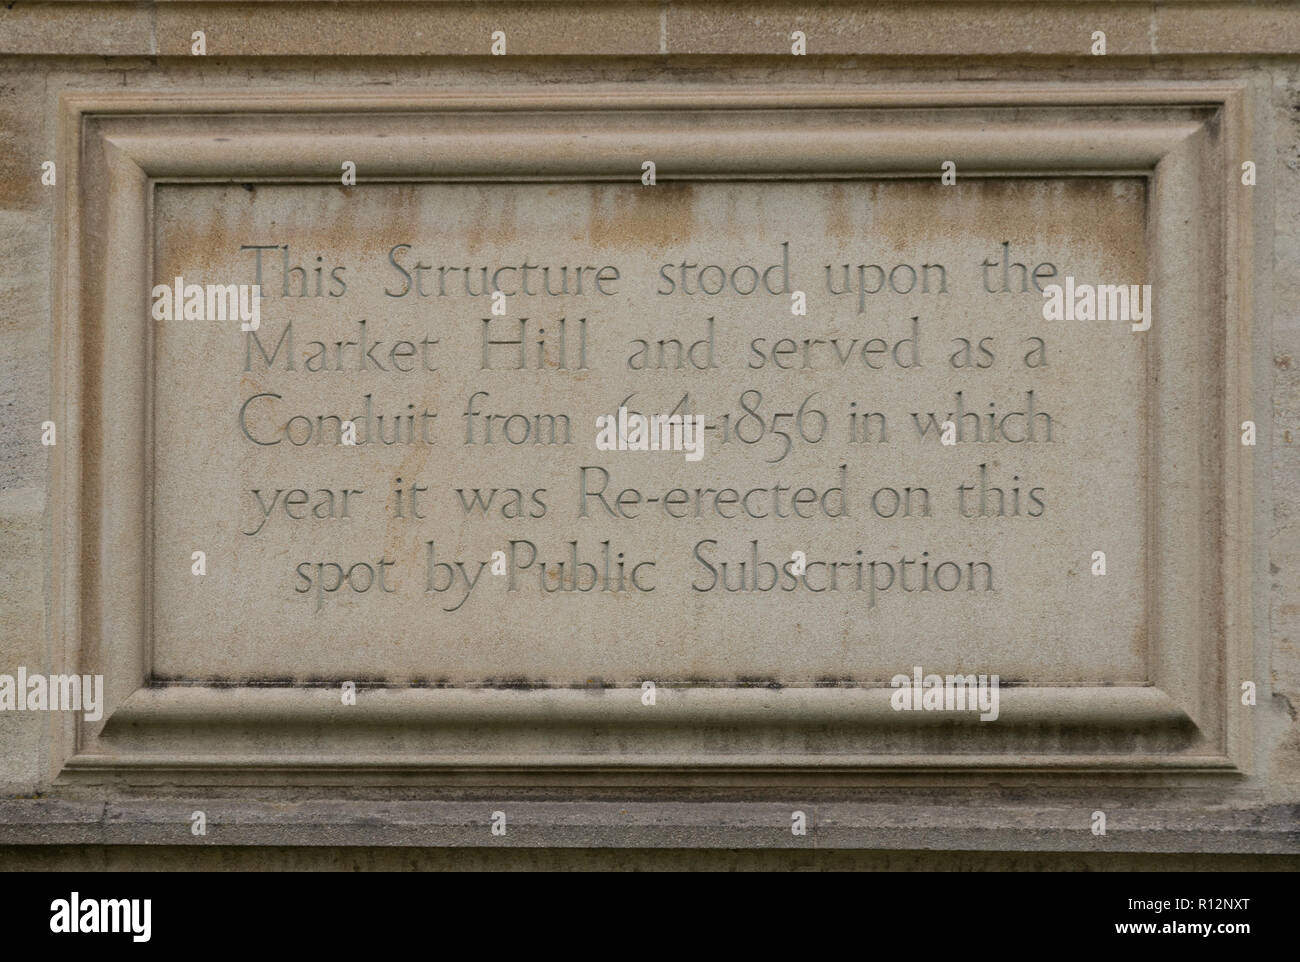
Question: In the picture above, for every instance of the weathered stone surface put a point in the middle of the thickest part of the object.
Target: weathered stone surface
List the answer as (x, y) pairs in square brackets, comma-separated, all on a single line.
[(228, 685), (973, 579)]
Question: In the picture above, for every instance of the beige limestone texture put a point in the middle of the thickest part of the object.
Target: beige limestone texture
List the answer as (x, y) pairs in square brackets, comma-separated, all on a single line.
[(1248, 45), (1194, 629), (685, 625)]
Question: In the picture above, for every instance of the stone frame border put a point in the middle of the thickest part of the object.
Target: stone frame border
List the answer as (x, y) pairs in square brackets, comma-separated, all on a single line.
[(1186, 139)]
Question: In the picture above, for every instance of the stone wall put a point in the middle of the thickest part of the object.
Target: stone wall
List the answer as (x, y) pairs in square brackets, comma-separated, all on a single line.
[(226, 701)]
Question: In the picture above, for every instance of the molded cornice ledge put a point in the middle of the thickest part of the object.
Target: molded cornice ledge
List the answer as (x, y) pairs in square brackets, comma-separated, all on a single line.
[(1013, 29), (917, 824)]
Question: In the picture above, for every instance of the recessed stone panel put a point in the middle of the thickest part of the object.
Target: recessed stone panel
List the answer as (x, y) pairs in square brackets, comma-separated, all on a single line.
[(911, 455), (821, 433)]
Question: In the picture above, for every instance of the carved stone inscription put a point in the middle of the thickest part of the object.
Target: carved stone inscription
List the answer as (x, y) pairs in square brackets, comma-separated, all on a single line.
[(722, 432)]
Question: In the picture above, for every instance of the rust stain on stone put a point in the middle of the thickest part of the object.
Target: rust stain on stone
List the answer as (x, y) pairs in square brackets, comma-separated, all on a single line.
[(640, 217)]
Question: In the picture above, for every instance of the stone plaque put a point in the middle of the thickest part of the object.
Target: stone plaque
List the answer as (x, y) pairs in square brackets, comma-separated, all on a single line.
[(822, 434), (671, 443)]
